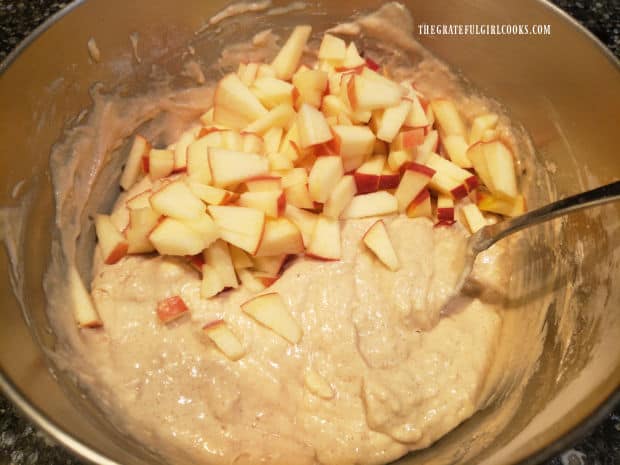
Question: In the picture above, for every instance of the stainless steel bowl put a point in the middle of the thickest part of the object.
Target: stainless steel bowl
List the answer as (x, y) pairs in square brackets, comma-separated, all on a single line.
[(564, 88)]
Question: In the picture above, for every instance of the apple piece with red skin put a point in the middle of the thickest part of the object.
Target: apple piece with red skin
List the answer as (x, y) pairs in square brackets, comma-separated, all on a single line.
[(280, 116), (311, 86), (265, 278), (312, 126), (196, 261), (217, 256), (280, 237), (324, 176), (176, 199), (270, 265), (421, 206), (174, 237), (430, 144), (368, 175), (415, 179), (378, 241), (171, 309), (392, 120), (212, 195), (287, 60), (271, 311), (445, 184), (272, 92), (389, 179), (139, 149), (353, 143), (229, 168), (304, 220), (501, 169), (445, 208), (408, 139), (448, 118), (211, 284), (507, 207), (374, 204), (325, 240), (161, 163), (446, 169), (272, 203), (112, 243), (234, 103), (444, 223), (84, 310), (224, 339), (397, 159), (141, 223), (473, 217), (340, 197), (240, 226), (372, 64)]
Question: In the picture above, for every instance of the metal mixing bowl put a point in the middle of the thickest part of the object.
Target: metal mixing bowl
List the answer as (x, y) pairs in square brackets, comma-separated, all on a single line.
[(564, 88)]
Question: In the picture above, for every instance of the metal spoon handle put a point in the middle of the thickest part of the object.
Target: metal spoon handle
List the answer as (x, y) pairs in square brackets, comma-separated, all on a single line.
[(489, 235)]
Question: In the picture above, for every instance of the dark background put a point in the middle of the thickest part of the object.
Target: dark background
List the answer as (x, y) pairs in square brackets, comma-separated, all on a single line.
[(22, 444)]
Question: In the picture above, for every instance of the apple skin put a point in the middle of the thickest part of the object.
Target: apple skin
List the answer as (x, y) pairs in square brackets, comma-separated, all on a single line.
[(389, 181), (171, 308)]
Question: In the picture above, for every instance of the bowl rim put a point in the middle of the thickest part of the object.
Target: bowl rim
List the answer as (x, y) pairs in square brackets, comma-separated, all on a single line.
[(85, 452)]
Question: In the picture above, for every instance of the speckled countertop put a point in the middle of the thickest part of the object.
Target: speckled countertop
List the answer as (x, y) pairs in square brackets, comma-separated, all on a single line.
[(22, 444)]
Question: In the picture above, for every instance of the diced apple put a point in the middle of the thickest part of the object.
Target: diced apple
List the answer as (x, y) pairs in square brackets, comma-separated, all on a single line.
[(408, 139), (240, 259), (84, 310), (271, 311), (392, 120), (252, 143), (368, 175), (280, 116), (112, 243), (456, 147), (279, 162), (445, 208), (161, 163), (421, 206), (247, 73), (371, 91), (290, 142), (205, 227), (430, 144), (224, 339), (229, 168), (212, 195), (324, 176), (417, 116), (399, 158), (299, 196), (171, 309), (141, 200), (175, 199), (304, 220), (240, 226), (443, 183), (474, 218), (270, 265), (218, 257), (180, 150), (173, 237), (272, 139), (211, 284), (272, 203), (415, 179), (480, 125), (373, 204), (325, 240), (332, 49), (312, 126), (234, 104), (287, 59), (332, 105), (311, 86), (139, 149), (378, 241), (281, 236), (448, 117), (446, 167), (352, 58), (207, 117), (354, 144), (198, 167), (249, 281), (265, 184), (501, 168), (340, 197), (389, 179), (273, 92), (232, 140), (507, 207), (141, 223), (265, 70), (317, 385)]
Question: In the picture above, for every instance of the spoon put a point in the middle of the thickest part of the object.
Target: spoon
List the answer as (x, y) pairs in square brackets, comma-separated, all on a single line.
[(488, 235)]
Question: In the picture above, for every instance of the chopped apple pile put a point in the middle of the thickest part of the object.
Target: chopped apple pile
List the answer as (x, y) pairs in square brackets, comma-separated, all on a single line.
[(286, 154)]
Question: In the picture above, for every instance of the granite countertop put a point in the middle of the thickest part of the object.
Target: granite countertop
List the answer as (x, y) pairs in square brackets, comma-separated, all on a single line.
[(22, 444)]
